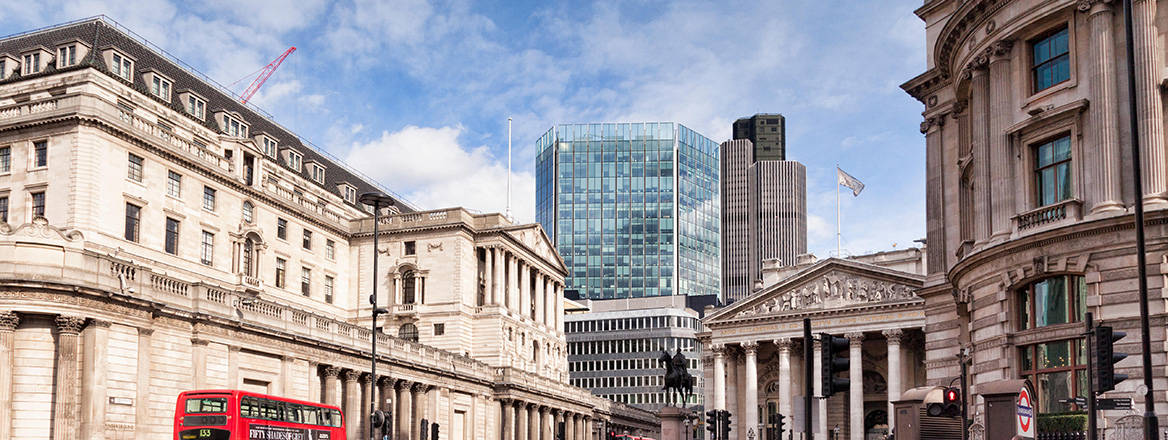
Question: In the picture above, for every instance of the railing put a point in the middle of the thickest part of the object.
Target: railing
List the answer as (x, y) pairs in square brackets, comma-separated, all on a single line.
[(201, 153), (168, 285), (1047, 214), (28, 108), (1079, 435), (404, 308)]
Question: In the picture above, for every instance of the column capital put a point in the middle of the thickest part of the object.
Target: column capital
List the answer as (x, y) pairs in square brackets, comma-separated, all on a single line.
[(331, 371), (143, 331), (719, 351), (401, 384), (750, 347), (784, 344), (199, 341), (385, 380), (856, 338), (9, 321), (365, 378), (1092, 7), (69, 325), (999, 50), (351, 375), (420, 387), (894, 335)]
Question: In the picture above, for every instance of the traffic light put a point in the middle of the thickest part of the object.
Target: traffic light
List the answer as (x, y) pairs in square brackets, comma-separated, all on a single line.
[(387, 425), (780, 420), (724, 417), (611, 435), (1106, 357), (433, 431), (831, 362), (950, 405), (425, 429), (712, 422)]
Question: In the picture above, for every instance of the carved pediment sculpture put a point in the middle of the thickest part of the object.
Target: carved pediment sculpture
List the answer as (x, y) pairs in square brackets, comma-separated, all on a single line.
[(830, 291)]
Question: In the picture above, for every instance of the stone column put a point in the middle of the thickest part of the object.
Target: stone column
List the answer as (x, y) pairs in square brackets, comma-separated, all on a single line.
[(894, 369), (525, 291), (732, 389), (405, 405), (570, 427), (517, 300), (8, 323), (1001, 167), (366, 397), (1103, 155), (719, 377), (785, 379), (522, 427), (94, 373), (1148, 101), (199, 362), (550, 416), (508, 422), (287, 363), (497, 277), (540, 300), (67, 411), (330, 384), (352, 403), (142, 394), (233, 366), (535, 418), (979, 128), (385, 394), (750, 414), (856, 390), (418, 395), (314, 382), (821, 404), (558, 291)]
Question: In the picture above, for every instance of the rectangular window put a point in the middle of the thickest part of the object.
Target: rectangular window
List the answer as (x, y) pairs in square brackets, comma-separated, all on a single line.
[(207, 256), (350, 194), (5, 159), (196, 107), (305, 281), (234, 127), (1058, 371), (172, 236), (133, 220), (270, 146), (122, 66), (3, 68), (208, 198), (411, 248), (134, 170), (174, 184), (282, 229), (40, 156), (32, 63), (439, 329), (4, 209), (1052, 172), (330, 249), (307, 239), (1052, 62), (280, 272), (67, 55), (328, 289), (294, 160), (318, 173), (160, 87), (38, 204)]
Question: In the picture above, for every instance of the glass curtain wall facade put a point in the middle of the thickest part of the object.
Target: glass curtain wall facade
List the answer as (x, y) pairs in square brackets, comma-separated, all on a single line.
[(633, 208)]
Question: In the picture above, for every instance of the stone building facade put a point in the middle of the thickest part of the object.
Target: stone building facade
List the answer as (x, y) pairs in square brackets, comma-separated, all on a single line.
[(157, 236), (1030, 191), (753, 349)]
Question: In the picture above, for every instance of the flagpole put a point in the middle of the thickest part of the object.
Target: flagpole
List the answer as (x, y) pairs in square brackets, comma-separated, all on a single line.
[(838, 228)]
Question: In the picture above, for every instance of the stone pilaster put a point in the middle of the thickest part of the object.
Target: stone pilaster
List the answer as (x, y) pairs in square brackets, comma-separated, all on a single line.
[(856, 388), (199, 362), (1001, 181), (8, 323), (1103, 156), (979, 134), (1149, 101), (785, 379), (94, 376), (67, 410), (233, 367), (750, 415), (142, 396), (719, 378), (894, 369), (331, 372)]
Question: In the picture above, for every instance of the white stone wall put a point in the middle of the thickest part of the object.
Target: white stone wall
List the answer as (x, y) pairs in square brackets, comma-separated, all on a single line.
[(32, 380)]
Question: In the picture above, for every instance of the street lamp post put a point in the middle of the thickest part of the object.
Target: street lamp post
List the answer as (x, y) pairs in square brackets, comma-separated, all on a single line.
[(377, 201)]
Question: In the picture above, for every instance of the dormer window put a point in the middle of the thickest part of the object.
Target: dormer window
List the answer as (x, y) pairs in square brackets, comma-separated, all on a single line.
[(271, 147), (234, 127), (32, 63), (160, 87), (3, 68), (349, 193), (196, 106), (294, 160), (121, 66), (317, 173), (66, 55)]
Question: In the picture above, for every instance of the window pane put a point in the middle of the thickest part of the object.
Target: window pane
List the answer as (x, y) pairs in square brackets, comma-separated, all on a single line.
[(1053, 387), (1064, 181), (1051, 302), (1054, 355)]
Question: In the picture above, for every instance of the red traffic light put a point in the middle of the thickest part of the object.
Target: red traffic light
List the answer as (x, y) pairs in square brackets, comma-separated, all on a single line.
[(952, 396)]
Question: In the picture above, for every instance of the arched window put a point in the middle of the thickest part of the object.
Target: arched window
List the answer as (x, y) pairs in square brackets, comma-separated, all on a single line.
[(408, 332), (249, 257), (535, 352), (409, 282), (248, 212)]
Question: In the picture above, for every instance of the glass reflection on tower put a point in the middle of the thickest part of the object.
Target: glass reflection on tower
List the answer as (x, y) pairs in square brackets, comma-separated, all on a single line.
[(633, 208)]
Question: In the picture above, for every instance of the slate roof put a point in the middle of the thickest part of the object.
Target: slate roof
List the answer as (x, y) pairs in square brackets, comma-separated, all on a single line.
[(101, 33)]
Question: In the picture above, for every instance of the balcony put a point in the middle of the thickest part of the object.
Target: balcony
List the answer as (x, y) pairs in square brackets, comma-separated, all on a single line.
[(1048, 217), (250, 283)]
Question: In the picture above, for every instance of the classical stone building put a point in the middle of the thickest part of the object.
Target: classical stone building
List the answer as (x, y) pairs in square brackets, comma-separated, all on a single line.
[(1030, 191), (754, 362), (157, 236)]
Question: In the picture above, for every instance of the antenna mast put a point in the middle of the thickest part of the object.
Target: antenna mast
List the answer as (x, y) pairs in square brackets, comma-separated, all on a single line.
[(509, 168)]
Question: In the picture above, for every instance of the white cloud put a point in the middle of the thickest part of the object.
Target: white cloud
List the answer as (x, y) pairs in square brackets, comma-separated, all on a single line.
[(434, 170)]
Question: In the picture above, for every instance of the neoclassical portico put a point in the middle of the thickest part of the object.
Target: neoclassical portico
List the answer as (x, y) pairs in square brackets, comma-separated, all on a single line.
[(756, 348)]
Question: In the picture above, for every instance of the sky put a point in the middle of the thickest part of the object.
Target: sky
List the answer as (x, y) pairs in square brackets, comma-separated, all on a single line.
[(416, 93)]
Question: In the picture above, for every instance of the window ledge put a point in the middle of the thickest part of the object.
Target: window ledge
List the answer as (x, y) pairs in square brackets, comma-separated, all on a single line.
[(1048, 217)]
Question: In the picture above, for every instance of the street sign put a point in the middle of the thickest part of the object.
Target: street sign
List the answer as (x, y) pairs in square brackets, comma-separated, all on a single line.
[(1026, 425), (1080, 401), (1115, 403)]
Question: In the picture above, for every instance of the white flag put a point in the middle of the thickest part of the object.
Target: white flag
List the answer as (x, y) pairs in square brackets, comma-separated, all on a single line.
[(847, 180)]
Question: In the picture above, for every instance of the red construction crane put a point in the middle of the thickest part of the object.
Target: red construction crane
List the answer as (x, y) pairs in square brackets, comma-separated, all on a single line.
[(267, 72)]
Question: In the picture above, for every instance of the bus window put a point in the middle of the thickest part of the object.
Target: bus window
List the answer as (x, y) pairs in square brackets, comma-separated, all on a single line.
[(311, 415), (269, 409), (331, 417), (249, 407), (206, 405), (292, 413)]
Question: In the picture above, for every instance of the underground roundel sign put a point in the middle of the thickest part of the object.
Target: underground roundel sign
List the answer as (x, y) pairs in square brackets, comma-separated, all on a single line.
[(1026, 423)]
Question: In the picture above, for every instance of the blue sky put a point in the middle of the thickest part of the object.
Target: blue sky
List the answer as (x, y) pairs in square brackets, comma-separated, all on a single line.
[(416, 93)]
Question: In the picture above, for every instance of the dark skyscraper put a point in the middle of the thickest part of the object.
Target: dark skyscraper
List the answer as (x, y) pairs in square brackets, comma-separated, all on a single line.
[(768, 133)]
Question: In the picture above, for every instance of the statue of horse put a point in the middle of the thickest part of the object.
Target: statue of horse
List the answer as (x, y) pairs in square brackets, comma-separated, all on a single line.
[(677, 377)]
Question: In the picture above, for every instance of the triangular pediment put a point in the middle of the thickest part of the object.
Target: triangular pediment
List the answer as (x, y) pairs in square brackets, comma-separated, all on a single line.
[(827, 285), (532, 236)]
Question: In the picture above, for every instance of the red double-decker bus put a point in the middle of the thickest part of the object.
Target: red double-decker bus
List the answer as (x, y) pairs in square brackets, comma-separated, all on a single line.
[(242, 415)]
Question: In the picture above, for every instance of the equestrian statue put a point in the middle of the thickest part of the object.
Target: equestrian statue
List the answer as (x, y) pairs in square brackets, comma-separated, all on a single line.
[(677, 377)]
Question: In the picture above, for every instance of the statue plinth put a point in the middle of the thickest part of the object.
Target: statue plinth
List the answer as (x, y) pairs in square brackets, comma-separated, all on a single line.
[(673, 423)]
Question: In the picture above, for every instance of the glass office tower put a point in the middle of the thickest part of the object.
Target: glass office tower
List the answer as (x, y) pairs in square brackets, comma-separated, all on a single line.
[(632, 207)]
